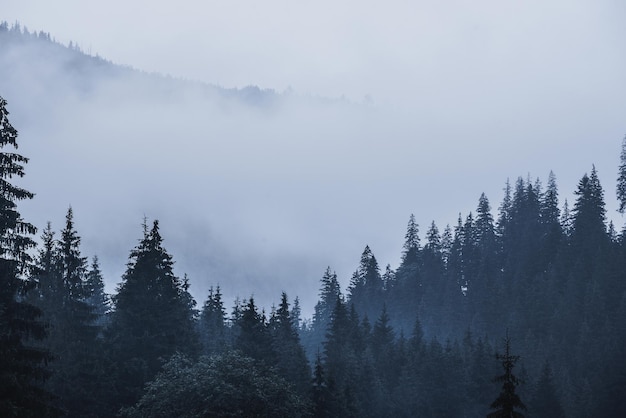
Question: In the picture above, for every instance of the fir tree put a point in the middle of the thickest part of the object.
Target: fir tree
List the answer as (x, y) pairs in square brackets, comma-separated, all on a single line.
[(321, 396), (621, 179), (152, 318), (96, 297), (73, 324), (329, 292), (23, 366), (550, 202), (508, 401), (366, 285), (212, 323), (589, 211), (389, 278), (253, 338), (411, 247), (291, 362)]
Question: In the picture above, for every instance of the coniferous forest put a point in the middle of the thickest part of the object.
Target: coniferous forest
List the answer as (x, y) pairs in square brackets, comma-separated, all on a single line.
[(518, 314)]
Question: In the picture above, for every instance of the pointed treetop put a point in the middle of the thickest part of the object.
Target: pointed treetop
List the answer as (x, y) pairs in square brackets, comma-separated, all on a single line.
[(411, 242), (621, 179), (433, 239)]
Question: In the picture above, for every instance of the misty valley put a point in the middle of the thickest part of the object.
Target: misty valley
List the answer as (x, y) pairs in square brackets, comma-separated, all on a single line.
[(514, 309)]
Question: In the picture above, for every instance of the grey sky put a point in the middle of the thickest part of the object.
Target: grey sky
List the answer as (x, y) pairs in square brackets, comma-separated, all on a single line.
[(464, 94)]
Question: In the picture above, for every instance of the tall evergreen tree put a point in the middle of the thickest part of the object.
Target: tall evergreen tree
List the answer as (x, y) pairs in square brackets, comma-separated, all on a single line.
[(212, 324), (366, 286), (504, 213), (589, 240), (508, 402), (446, 244), (383, 350), (23, 366), (291, 362), (621, 179), (486, 239), (321, 396), (329, 292), (48, 295), (566, 220), (550, 202), (96, 296), (253, 338), (152, 319), (410, 253), (296, 314), (589, 210), (73, 322)]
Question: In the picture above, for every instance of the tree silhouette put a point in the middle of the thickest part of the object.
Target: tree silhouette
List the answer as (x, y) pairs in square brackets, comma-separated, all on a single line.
[(508, 401), (23, 366)]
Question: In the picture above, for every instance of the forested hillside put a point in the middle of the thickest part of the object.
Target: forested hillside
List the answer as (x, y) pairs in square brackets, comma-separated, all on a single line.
[(520, 306)]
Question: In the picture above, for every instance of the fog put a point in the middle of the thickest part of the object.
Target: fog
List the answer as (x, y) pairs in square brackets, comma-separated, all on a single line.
[(372, 114)]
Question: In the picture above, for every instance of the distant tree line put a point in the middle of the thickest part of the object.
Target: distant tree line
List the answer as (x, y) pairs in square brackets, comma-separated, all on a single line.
[(422, 340)]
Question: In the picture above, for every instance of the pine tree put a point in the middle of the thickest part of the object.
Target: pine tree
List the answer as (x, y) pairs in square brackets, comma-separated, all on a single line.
[(254, 339), (550, 202), (566, 220), (485, 230), (73, 325), (329, 292), (550, 221), (389, 278), (96, 297), (366, 285), (446, 244), (291, 362), (23, 366), (152, 319), (411, 247), (383, 350), (621, 179), (296, 314), (408, 274), (212, 323), (49, 292), (508, 401), (589, 240), (589, 211), (321, 396), (504, 214)]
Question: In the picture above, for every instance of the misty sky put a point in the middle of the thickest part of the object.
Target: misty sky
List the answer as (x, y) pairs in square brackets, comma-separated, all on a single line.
[(451, 99)]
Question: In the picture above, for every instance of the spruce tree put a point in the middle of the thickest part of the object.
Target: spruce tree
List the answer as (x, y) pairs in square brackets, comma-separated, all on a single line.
[(621, 179), (411, 247), (291, 362), (152, 319), (383, 350), (253, 338), (212, 324), (589, 211), (508, 402), (329, 292), (23, 366), (96, 296), (589, 240), (321, 397), (366, 285), (73, 322)]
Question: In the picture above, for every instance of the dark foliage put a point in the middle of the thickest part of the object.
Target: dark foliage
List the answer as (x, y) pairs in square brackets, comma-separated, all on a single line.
[(23, 364)]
